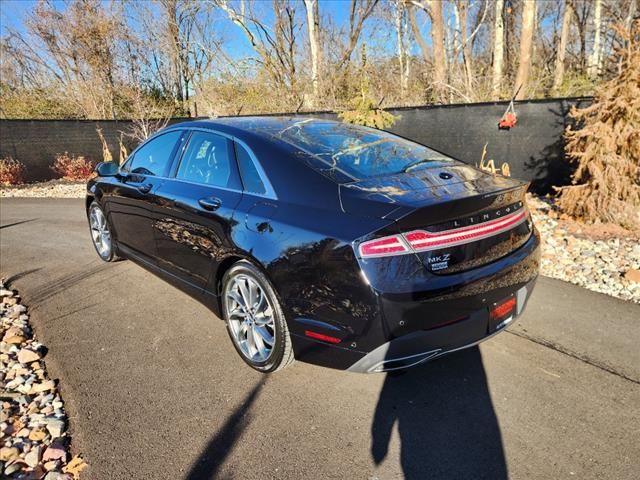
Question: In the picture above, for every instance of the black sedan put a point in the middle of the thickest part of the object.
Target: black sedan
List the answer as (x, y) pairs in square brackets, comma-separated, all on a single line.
[(339, 245)]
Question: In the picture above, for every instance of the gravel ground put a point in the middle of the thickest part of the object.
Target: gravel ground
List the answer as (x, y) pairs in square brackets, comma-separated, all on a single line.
[(602, 258), (50, 189), (34, 443)]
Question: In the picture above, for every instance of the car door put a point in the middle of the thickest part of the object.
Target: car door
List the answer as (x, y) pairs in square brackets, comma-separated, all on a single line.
[(195, 213), (130, 204)]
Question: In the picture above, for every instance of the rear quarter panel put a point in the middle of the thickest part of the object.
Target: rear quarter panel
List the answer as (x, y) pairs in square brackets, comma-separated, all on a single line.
[(308, 255)]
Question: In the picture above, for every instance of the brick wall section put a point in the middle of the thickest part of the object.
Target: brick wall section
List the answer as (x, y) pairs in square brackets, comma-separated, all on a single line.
[(533, 149)]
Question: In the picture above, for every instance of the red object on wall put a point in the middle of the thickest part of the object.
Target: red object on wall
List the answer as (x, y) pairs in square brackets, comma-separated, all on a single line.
[(508, 121)]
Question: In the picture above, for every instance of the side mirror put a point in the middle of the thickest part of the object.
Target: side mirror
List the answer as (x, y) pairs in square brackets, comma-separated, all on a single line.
[(107, 169)]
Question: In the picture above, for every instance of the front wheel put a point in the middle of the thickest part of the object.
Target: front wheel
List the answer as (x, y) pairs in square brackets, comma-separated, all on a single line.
[(101, 233), (254, 319)]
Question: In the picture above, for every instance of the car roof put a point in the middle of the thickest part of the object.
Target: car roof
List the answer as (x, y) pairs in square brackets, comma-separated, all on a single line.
[(260, 134), (268, 129), (251, 126)]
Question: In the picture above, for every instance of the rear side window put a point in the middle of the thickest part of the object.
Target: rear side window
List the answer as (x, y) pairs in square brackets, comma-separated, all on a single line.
[(207, 161), (250, 176), (153, 157)]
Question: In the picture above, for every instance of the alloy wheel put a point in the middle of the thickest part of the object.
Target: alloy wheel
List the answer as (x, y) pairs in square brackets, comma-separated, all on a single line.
[(250, 318), (100, 233)]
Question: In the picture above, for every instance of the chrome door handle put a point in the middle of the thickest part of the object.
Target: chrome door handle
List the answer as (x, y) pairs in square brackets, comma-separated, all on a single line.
[(210, 203), (146, 188)]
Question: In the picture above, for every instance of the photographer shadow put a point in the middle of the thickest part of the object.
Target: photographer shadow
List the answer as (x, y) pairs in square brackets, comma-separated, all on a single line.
[(445, 419)]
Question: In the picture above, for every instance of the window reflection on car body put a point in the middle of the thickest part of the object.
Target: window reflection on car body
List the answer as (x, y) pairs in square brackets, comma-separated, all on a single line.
[(358, 152), (417, 163), (142, 171)]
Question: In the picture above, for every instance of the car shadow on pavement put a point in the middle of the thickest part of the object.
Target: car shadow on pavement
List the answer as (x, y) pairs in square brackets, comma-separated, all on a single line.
[(219, 447), (445, 419)]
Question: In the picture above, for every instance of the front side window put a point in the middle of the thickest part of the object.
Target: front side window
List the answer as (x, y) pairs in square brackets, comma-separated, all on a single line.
[(207, 161), (250, 176), (359, 151), (153, 158)]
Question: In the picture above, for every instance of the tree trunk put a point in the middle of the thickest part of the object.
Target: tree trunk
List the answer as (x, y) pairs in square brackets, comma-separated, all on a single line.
[(313, 26), (463, 8), (358, 14), (562, 48), (424, 48), (526, 44), (403, 59), (171, 11), (439, 61), (498, 50), (633, 5), (594, 60), (580, 23)]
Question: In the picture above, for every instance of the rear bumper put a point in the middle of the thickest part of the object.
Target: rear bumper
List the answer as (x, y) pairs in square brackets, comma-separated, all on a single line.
[(421, 346), (435, 315)]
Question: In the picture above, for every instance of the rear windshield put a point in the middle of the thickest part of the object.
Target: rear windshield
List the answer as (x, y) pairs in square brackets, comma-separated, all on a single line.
[(360, 152)]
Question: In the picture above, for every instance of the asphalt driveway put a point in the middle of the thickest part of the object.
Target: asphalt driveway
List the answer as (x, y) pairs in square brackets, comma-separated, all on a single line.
[(154, 389)]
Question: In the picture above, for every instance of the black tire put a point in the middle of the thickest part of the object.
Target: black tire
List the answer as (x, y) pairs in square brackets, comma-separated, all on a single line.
[(109, 255), (281, 354)]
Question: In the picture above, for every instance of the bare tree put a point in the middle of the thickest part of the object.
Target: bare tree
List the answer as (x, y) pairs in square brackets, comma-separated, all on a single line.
[(462, 9), (313, 29), (465, 40), (439, 60), (434, 10), (526, 44), (274, 44), (415, 28), (562, 47), (594, 60), (581, 12), (401, 38), (359, 11), (132, 59), (149, 109), (176, 55), (74, 50), (498, 49), (148, 115), (633, 6), (181, 45)]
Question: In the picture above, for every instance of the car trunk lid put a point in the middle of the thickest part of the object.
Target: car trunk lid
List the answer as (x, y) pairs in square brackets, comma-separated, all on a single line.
[(453, 218)]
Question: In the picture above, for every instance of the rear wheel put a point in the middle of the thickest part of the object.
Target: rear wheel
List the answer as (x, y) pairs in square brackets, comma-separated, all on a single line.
[(254, 318), (101, 233)]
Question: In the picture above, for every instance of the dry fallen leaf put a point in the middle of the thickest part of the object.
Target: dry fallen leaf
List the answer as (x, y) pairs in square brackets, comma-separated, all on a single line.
[(75, 466)]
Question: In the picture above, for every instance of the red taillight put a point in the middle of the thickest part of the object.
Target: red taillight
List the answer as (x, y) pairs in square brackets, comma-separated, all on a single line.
[(321, 336), (380, 247), (503, 309), (422, 241)]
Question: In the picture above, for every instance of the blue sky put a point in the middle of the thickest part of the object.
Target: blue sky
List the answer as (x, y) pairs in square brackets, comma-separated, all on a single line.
[(13, 13), (381, 42)]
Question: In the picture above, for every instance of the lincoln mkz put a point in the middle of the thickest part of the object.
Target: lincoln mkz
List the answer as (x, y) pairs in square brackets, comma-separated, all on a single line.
[(333, 244)]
